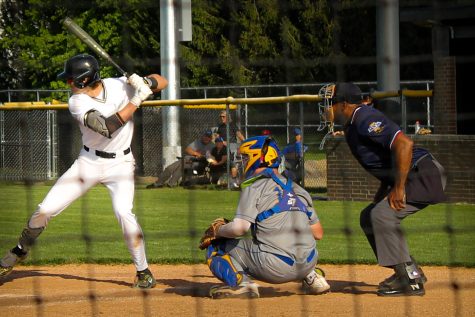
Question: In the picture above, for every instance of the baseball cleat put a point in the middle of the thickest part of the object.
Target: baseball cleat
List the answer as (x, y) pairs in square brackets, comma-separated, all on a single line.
[(315, 283), (244, 290), (4, 271), (144, 280), (9, 261)]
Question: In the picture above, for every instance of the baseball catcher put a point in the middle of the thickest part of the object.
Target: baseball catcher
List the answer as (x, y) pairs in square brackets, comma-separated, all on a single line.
[(284, 227)]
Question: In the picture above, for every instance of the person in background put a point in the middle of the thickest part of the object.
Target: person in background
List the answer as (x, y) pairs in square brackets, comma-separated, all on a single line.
[(217, 160), (266, 132), (293, 154), (235, 135), (195, 157)]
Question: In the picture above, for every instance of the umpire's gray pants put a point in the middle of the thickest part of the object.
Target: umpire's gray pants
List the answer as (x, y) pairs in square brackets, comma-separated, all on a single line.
[(264, 266), (382, 227)]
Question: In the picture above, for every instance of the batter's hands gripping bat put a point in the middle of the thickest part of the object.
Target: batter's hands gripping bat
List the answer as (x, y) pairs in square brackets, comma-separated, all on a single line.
[(89, 41)]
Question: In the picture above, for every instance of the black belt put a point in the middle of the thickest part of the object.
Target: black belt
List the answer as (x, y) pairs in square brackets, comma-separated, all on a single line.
[(107, 154)]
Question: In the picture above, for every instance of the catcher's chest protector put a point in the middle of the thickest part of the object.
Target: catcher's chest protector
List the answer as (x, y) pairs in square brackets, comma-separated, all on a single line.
[(288, 200)]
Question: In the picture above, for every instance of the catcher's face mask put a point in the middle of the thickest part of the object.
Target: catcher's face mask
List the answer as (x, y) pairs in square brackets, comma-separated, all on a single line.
[(325, 107)]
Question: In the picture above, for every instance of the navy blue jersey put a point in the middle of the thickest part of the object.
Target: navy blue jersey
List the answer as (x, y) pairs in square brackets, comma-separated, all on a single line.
[(370, 135)]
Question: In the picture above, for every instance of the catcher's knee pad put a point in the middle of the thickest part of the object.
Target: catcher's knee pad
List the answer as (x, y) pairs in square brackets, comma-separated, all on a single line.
[(222, 266)]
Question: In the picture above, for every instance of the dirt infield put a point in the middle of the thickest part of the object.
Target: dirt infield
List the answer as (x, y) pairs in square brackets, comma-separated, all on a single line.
[(105, 290)]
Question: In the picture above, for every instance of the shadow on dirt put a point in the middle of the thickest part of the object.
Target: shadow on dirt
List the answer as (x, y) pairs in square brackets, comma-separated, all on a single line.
[(15, 275)]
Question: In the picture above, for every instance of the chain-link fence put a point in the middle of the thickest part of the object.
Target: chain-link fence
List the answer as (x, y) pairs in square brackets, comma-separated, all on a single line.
[(41, 145)]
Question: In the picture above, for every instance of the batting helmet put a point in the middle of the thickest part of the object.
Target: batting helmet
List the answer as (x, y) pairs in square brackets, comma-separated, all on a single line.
[(259, 151), (83, 69)]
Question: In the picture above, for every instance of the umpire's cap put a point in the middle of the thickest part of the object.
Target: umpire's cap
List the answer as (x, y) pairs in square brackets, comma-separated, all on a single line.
[(348, 92)]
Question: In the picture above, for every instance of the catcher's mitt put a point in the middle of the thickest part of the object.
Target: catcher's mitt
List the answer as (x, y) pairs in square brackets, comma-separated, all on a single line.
[(210, 233)]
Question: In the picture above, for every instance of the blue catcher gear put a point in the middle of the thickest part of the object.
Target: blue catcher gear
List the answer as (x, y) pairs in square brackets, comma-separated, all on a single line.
[(221, 266), (259, 151)]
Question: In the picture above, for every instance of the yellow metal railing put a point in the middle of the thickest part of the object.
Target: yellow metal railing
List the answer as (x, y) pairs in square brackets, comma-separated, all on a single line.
[(215, 103)]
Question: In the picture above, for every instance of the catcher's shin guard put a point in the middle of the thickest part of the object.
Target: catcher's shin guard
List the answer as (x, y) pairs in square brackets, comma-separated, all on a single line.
[(222, 266)]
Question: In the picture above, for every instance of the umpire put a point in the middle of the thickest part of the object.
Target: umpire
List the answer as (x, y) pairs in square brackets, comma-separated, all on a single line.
[(411, 179)]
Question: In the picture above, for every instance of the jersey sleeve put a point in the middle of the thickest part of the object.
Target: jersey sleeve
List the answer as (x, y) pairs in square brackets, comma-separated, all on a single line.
[(376, 127), (79, 105), (247, 207)]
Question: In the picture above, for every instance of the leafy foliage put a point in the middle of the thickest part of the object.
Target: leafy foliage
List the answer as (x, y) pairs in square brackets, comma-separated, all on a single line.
[(234, 42)]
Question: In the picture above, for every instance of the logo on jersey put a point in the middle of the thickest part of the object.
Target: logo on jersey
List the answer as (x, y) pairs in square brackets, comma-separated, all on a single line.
[(375, 127), (291, 200)]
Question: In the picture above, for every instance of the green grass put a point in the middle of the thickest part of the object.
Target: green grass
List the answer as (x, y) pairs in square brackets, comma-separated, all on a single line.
[(317, 156), (173, 220)]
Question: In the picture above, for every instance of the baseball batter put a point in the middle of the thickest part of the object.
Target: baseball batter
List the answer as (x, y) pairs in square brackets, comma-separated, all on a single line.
[(284, 227), (104, 110)]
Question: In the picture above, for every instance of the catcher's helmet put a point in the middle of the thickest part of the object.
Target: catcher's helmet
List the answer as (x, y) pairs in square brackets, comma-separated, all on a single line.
[(259, 151), (81, 67)]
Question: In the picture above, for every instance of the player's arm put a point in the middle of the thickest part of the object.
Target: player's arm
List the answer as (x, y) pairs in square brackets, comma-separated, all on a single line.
[(236, 228), (156, 82), (317, 230), (239, 135), (401, 150), (190, 150), (144, 87)]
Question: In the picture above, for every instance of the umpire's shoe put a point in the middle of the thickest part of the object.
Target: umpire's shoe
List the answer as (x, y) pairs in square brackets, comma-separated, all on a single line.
[(315, 283), (144, 279), (407, 281), (11, 258), (243, 290), (423, 278)]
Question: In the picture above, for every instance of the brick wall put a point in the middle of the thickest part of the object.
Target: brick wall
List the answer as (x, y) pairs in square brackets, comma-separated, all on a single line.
[(347, 180), (445, 109)]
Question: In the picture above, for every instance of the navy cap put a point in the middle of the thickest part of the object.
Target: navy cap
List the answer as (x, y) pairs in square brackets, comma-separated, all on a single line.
[(348, 92), (218, 139), (208, 133), (297, 131)]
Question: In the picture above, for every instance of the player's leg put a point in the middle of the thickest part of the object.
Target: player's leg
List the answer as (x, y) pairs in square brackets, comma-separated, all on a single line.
[(70, 186), (392, 250), (119, 180), (230, 271)]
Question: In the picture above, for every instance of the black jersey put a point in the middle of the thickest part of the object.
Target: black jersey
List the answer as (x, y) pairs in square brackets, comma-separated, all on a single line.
[(370, 136)]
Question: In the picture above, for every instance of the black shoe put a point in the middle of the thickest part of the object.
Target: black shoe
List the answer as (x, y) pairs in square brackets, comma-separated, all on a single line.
[(404, 282), (401, 286), (387, 280), (423, 278)]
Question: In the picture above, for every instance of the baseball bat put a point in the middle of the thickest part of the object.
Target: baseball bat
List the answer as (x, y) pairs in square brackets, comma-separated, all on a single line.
[(89, 41)]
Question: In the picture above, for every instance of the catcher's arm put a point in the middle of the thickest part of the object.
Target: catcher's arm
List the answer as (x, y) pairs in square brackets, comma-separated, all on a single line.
[(236, 228)]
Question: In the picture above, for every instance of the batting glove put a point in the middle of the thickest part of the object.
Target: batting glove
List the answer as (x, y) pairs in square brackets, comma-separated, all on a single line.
[(141, 93), (135, 80)]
